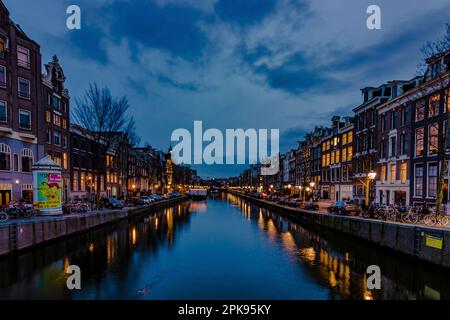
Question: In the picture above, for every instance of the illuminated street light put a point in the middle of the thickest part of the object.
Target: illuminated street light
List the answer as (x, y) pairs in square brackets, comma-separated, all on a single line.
[(312, 185)]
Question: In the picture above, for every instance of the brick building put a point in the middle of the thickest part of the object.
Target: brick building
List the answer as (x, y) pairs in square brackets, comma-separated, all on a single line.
[(21, 129)]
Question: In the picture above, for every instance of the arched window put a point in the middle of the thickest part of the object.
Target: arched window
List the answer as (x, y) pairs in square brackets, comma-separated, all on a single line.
[(5, 157), (27, 160)]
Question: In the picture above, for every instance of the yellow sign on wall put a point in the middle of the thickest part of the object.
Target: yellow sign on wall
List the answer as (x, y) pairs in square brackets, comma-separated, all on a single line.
[(433, 242)]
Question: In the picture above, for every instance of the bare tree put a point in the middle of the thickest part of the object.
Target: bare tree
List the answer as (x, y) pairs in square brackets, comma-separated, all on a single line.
[(435, 53), (105, 117)]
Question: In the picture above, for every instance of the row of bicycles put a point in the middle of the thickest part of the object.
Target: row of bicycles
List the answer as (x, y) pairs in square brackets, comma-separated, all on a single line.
[(407, 214), (17, 210), (77, 207)]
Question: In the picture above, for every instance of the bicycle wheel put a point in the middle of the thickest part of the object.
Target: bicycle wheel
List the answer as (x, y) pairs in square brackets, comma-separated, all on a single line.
[(430, 220), (444, 221), (413, 218)]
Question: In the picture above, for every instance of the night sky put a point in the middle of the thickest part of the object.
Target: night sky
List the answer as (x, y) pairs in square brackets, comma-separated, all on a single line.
[(285, 64)]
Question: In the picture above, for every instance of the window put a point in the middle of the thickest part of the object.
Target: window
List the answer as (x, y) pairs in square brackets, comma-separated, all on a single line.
[(83, 182), (418, 181), (23, 57), (344, 139), (3, 111), (48, 137), (56, 103), (420, 110), (384, 123), (419, 141), (394, 120), (383, 173), (65, 161), (64, 123), (433, 137), (27, 160), (393, 146), (405, 115), (57, 120), (432, 179), (403, 172), (384, 148), (349, 153), (5, 157), (49, 98), (433, 108), (404, 143), (2, 77), (344, 155), (24, 88), (435, 70), (56, 138), (75, 181), (392, 173), (350, 137), (65, 141), (25, 119), (48, 116)]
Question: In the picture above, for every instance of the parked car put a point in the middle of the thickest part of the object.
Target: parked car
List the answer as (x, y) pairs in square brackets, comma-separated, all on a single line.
[(343, 208), (110, 203), (135, 201), (254, 194), (311, 207), (294, 203), (147, 199)]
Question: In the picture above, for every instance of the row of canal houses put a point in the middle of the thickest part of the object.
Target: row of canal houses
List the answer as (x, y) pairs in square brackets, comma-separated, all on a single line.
[(35, 122), (395, 132)]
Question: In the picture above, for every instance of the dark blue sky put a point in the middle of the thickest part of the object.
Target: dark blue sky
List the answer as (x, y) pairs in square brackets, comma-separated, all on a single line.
[(285, 64)]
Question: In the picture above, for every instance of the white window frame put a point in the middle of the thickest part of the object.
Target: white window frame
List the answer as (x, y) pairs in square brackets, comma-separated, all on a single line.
[(415, 179), (4, 148), (25, 111), (28, 63), (18, 88), (429, 164)]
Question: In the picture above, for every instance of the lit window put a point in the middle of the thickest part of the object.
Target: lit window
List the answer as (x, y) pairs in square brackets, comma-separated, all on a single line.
[(420, 110), (433, 108), (418, 179), (433, 132), (48, 116), (419, 141), (392, 173), (403, 172)]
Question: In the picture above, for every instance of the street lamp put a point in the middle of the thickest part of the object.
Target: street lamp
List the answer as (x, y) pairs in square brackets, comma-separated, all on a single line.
[(370, 177)]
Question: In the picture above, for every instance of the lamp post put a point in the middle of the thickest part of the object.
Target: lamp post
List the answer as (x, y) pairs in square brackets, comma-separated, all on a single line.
[(370, 177), (312, 185)]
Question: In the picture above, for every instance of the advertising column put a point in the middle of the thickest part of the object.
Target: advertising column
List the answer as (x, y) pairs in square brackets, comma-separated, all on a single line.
[(47, 187)]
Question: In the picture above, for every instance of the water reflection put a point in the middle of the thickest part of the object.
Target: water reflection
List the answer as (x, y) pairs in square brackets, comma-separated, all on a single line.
[(220, 249), (340, 264)]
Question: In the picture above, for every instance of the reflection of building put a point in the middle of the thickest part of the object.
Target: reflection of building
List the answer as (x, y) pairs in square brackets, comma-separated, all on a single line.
[(55, 99), (20, 109)]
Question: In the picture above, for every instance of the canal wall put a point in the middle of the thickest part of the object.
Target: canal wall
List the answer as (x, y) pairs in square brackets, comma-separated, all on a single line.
[(424, 243), (16, 236)]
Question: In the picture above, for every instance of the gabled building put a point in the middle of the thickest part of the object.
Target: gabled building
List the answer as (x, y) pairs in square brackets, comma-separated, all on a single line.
[(21, 115), (394, 136), (337, 154), (55, 99), (430, 109)]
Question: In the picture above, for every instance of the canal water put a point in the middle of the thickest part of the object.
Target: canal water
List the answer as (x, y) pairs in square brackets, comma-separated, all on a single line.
[(223, 248)]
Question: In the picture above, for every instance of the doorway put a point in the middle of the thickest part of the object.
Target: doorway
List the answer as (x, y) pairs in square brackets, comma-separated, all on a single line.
[(5, 197)]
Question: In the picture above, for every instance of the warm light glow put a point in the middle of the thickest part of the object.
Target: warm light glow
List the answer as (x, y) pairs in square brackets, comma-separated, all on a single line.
[(271, 186), (289, 186), (133, 186), (372, 175), (17, 181), (308, 189), (312, 184)]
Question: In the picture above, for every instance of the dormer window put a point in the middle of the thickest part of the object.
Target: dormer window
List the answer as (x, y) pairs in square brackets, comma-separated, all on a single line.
[(435, 70)]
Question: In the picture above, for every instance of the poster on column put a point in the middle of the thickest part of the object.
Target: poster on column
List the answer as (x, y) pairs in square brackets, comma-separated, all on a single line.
[(49, 187)]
